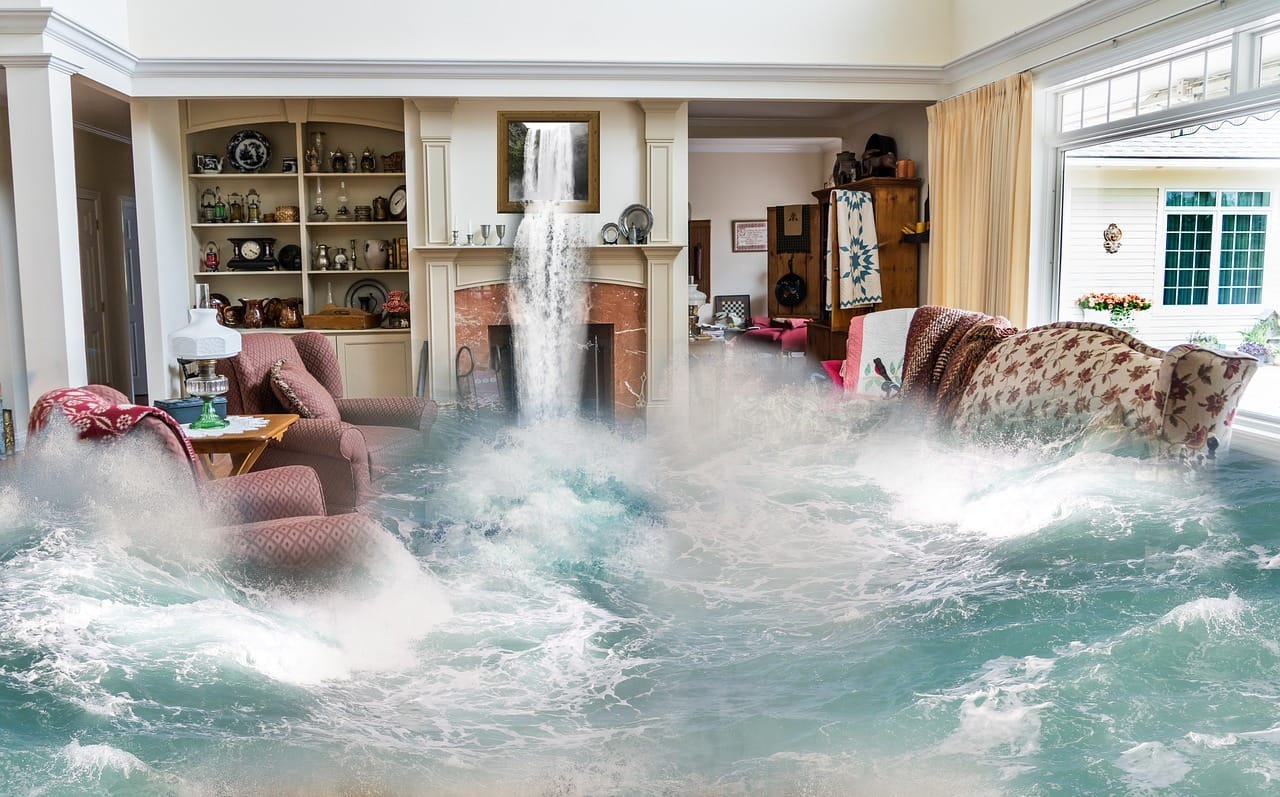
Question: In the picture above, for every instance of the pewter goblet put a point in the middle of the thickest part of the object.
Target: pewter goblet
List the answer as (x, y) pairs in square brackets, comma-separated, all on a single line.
[(501, 230), (484, 234)]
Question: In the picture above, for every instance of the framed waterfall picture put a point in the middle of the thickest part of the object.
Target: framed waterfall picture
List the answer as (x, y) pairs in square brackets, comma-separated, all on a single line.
[(549, 156)]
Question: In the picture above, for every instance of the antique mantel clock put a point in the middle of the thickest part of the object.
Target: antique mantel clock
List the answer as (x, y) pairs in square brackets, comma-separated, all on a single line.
[(252, 254)]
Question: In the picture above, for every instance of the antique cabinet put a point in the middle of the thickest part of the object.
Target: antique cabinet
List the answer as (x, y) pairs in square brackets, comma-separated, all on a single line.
[(897, 204)]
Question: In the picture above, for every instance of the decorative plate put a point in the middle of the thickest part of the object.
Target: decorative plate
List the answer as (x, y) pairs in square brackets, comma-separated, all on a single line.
[(609, 233), (290, 257), (636, 219), (249, 151), (367, 294)]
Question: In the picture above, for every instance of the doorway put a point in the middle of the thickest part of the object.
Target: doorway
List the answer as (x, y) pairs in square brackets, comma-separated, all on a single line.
[(133, 301), (700, 255), (92, 279)]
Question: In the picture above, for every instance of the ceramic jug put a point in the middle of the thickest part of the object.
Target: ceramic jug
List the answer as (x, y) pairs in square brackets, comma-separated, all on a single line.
[(375, 254), (253, 316), (290, 313)]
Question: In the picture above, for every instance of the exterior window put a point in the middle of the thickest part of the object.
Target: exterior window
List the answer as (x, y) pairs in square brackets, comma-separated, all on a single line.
[(1269, 59), (1204, 227)]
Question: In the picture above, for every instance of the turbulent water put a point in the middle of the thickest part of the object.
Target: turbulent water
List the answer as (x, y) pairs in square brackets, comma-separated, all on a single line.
[(793, 596)]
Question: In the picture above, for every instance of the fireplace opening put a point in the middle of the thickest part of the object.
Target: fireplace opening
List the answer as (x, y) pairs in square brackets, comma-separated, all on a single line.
[(596, 398)]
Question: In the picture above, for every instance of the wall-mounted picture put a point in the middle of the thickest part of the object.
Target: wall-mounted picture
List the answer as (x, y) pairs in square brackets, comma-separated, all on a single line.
[(750, 236), (550, 156)]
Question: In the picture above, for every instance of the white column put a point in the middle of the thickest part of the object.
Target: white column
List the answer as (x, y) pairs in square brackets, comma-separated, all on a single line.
[(48, 240), (435, 132), (162, 235)]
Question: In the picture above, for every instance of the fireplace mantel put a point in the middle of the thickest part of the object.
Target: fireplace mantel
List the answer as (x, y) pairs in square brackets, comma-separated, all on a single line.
[(436, 272)]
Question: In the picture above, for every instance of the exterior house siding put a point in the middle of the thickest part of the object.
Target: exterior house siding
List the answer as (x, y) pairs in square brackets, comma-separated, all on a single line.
[(1099, 197)]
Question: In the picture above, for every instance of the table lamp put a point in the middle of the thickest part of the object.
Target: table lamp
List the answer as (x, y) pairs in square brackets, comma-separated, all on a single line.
[(696, 299), (205, 341)]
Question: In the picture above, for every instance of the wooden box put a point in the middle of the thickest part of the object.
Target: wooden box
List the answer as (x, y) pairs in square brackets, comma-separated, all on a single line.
[(333, 317)]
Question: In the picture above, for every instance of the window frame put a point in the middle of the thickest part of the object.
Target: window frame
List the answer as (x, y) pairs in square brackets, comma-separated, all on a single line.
[(1216, 212)]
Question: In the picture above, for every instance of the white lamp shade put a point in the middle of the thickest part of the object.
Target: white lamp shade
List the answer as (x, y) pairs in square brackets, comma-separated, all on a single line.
[(204, 338)]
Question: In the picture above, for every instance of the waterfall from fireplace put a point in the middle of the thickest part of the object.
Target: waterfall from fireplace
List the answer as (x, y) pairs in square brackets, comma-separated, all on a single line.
[(548, 302)]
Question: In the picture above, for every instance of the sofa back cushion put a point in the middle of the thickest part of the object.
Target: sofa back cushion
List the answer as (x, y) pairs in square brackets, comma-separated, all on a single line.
[(1052, 381), (1056, 379)]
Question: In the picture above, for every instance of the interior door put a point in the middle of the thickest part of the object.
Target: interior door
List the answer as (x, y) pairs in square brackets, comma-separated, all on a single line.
[(92, 280), (133, 299), (700, 255)]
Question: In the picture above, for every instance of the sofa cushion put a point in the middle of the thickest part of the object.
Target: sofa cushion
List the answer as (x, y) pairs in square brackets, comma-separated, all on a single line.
[(1201, 390), (880, 334), (300, 392)]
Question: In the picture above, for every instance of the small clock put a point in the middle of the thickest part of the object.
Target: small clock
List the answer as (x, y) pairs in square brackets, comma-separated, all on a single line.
[(398, 205), (252, 254)]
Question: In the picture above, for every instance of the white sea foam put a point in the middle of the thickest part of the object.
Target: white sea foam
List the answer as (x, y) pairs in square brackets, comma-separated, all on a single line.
[(1152, 765), (93, 760), (1212, 613)]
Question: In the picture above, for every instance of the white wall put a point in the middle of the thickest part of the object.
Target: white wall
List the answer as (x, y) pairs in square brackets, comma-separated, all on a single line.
[(809, 31), (727, 186), (1098, 195), (107, 18), (972, 21), (474, 169)]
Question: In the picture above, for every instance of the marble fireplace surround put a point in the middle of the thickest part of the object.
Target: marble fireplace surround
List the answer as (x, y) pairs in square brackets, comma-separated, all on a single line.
[(628, 284)]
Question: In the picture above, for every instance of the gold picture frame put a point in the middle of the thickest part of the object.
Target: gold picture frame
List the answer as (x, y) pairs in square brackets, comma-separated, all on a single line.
[(584, 126)]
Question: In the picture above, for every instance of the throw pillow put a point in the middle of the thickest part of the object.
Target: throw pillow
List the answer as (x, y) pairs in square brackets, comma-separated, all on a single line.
[(300, 392)]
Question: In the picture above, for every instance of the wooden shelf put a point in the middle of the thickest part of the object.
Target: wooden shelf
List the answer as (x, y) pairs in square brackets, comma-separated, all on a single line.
[(247, 273), (353, 174), (916, 237), (353, 223), (241, 175)]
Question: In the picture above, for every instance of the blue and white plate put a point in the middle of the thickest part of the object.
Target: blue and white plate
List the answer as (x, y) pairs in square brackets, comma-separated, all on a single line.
[(249, 151)]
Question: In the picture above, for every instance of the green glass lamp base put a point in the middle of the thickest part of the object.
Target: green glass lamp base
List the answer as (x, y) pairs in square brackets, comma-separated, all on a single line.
[(209, 418)]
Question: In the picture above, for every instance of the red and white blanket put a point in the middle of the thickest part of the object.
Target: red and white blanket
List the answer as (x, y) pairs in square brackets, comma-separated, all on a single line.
[(95, 417)]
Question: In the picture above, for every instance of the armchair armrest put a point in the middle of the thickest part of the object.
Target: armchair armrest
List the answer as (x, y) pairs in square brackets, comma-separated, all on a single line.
[(324, 437), (305, 544), (407, 412), (290, 491)]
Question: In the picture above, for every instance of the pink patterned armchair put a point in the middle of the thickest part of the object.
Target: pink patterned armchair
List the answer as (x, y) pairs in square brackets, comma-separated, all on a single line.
[(273, 519), (351, 443)]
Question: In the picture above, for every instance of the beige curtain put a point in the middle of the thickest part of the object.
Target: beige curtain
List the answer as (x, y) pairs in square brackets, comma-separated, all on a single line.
[(980, 199)]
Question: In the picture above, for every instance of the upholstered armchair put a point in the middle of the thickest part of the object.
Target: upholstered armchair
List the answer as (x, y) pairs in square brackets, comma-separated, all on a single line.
[(273, 519), (351, 443)]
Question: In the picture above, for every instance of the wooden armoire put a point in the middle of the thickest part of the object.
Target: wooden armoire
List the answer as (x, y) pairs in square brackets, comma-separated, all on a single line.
[(897, 204)]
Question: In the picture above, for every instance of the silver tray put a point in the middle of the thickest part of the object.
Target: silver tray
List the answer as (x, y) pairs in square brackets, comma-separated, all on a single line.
[(636, 219), (366, 289)]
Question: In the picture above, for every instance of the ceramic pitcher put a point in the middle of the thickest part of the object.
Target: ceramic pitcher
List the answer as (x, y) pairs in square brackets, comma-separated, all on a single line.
[(375, 254)]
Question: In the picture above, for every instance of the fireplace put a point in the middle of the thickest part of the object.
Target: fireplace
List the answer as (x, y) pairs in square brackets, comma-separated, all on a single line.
[(461, 292), (596, 400)]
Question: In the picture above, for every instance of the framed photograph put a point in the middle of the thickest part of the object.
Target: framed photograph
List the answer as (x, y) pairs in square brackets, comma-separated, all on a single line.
[(562, 152), (750, 236)]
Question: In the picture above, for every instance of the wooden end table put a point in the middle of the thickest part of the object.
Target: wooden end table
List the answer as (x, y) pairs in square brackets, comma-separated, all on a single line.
[(244, 447)]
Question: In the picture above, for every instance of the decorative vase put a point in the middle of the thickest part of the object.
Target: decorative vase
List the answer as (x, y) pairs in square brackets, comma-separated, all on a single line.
[(375, 254), (290, 314)]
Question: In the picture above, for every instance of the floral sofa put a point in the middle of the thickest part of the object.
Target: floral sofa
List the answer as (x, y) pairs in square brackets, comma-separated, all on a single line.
[(981, 377), (1059, 378)]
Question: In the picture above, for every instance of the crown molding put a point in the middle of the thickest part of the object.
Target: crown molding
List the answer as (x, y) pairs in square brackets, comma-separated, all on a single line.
[(40, 61), (24, 21), (1043, 33), (86, 42), (390, 69), (101, 132), (765, 145)]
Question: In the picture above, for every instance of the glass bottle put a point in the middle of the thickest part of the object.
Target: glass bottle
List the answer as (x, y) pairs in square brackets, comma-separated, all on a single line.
[(219, 207), (208, 215), (251, 201), (342, 213)]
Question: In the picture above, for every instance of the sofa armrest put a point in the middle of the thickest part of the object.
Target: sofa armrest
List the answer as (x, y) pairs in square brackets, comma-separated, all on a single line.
[(324, 437), (407, 412), (1197, 392), (290, 491), (305, 544)]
